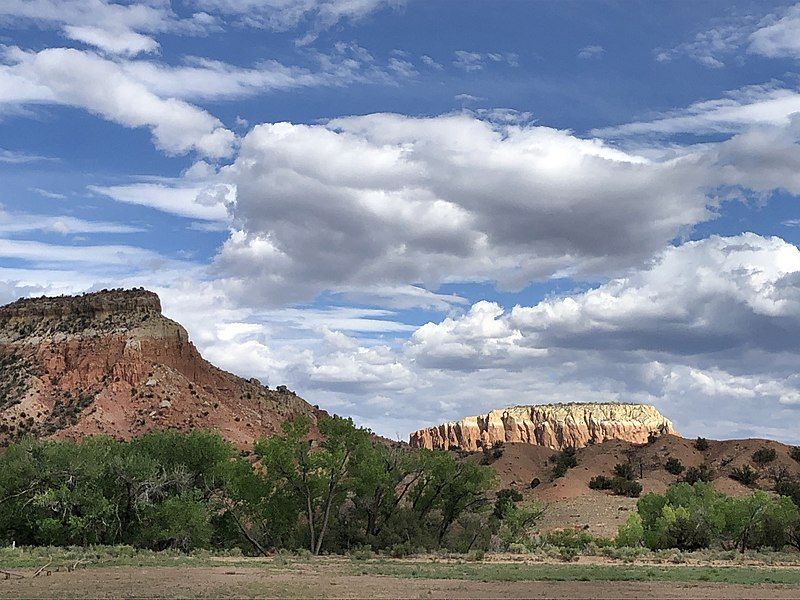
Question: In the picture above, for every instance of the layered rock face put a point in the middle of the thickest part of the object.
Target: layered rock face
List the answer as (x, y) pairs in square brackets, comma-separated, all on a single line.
[(111, 363), (555, 426)]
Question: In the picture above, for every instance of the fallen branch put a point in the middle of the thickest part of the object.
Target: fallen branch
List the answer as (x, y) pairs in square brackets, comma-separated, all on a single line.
[(42, 568), (11, 574), (75, 566)]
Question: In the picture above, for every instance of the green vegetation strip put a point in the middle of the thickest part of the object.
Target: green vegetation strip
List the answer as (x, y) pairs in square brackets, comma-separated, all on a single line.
[(545, 572), (119, 556)]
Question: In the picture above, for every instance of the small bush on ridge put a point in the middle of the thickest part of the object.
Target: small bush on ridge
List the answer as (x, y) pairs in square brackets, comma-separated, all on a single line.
[(701, 444)]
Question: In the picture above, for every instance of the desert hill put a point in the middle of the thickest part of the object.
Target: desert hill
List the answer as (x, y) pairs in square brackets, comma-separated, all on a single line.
[(110, 363), (554, 426), (570, 501)]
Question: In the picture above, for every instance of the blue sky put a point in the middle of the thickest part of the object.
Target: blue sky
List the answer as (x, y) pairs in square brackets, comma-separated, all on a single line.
[(415, 211)]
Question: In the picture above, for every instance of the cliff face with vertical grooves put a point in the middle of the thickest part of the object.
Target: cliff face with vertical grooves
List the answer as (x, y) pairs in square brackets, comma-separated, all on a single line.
[(555, 426), (110, 363)]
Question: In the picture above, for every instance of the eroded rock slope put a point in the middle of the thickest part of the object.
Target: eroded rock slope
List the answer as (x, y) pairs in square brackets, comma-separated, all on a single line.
[(110, 363)]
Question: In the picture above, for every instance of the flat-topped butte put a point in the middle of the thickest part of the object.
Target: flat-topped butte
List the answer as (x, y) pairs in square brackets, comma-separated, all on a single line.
[(555, 426)]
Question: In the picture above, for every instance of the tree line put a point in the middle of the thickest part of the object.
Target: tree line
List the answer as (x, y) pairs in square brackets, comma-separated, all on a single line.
[(173, 490)]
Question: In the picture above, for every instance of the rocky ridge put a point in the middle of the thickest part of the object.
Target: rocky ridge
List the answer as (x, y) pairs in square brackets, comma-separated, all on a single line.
[(110, 363), (554, 426)]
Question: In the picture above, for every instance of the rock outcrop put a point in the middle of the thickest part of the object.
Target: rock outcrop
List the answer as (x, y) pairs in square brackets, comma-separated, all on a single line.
[(110, 363), (555, 426)]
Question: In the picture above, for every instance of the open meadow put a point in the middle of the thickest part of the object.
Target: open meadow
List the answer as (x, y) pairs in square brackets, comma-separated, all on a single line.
[(123, 573)]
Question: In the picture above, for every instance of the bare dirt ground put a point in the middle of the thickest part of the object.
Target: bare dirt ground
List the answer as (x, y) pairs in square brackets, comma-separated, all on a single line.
[(327, 580)]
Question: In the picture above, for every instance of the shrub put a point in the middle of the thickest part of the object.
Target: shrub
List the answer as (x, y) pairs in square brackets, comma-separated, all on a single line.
[(476, 555), (794, 453), (701, 444), (624, 470), (568, 554), (519, 521), (535, 482), (626, 487), (695, 474), (516, 548), (402, 550), (361, 553), (674, 466), (564, 460), (577, 540), (764, 455), (491, 454), (600, 482), (744, 475), (778, 473), (789, 488)]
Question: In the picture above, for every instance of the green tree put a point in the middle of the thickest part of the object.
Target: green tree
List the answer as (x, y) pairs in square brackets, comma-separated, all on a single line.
[(505, 498), (631, 533), (318, 476), (518, 521)]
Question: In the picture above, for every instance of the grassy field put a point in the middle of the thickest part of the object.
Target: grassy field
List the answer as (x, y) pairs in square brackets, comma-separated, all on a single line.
[(704, 566), (120, 572), (583, 572)]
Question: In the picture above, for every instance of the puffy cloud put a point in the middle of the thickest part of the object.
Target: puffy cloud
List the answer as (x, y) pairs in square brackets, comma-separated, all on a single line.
[(388, 199), (479, 338), (88, 81), (140, 93), (714, 295), (719, 295)]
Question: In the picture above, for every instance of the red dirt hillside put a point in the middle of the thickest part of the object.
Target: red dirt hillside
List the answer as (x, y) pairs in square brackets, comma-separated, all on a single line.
[(570, 501), (110, 363)]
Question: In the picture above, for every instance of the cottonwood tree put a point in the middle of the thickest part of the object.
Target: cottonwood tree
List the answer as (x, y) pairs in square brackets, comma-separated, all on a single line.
[(319, 474)]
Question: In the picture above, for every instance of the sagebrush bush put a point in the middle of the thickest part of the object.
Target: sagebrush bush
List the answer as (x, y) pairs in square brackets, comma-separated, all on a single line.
[(695, 474), (600, 482), (564, 460), (764, 455), (570, 538), (744, 475), (626, 487), (674, 466), (624, 470)]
